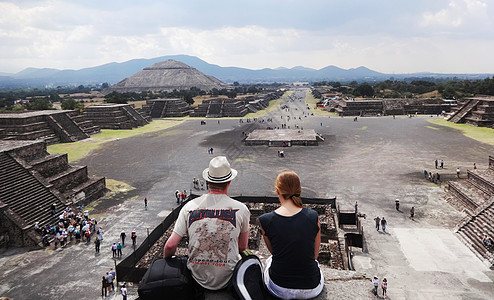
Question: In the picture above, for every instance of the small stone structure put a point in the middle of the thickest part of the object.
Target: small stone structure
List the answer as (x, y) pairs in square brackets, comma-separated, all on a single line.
[(361, 107), (51, 126), (238, 107), (220, 107), (31, 180), (115, 116), (166, 108), (476, 111), (475, 197), (283, 137)]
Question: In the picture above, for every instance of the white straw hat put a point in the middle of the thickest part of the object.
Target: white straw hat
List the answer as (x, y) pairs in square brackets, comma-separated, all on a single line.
[(219, 171)]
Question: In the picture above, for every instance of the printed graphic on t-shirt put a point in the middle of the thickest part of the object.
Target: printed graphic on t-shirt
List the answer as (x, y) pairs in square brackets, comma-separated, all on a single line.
[(211, 243), (222, 214)]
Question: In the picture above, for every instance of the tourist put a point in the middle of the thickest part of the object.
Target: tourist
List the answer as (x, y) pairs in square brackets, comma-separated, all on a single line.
[(104, 287), (435, 163), (356, 207), (383, 224), (146, 203), (425, 174), (119, 250), (113, 276), (474, 166), (109, 281), (378, 221), (177, 196), (122, 237), (217, 227), (397, 204), (124, 290), (487, 241), (87, 233), (293, 236), (375, 282), (442, 164), (412, 212), (384, 285), (100, 233), (133, 237), (97, 244), (53, 209), (114, 249), (458, 172)]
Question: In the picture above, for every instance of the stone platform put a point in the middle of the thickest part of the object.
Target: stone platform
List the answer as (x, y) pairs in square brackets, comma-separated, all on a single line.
[(283, 137)]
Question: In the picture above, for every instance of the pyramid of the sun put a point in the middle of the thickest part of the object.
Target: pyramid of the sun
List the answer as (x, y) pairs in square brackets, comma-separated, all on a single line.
[(167, 75)]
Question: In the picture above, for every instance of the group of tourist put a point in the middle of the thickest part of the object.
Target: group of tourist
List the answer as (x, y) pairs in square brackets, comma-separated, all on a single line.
[(69, 226), (217, 227), (384, 286), (199, 184), (181, 196), (107, 285), (381, 221), (432, 177)]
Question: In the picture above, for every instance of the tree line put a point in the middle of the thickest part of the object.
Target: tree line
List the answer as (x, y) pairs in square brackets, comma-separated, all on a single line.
[(448, 89)]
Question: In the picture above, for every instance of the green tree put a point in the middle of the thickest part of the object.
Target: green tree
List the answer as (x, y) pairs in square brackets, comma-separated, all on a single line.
[(115, 97), (40, 104), (71, 104), (231, 94), (363, 89)]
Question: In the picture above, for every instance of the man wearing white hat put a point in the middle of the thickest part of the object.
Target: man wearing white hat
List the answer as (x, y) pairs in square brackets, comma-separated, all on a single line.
[(217, 227)]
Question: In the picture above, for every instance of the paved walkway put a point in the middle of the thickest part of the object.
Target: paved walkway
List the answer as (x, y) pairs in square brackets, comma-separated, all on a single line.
[(374, 161)]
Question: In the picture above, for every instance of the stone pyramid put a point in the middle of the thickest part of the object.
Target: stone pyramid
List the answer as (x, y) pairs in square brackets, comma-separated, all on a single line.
[(167, 75)]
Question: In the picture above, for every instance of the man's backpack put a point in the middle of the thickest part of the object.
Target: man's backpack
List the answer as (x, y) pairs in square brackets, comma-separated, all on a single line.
[(167, 278)]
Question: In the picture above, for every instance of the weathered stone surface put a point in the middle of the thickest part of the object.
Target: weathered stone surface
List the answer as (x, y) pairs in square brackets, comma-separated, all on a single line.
[(167, 75)]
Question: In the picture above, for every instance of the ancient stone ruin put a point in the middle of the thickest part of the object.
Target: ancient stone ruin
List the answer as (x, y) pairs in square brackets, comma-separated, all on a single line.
[(476, 111), (283, 137), (115, 116), (237, 107), (31, 180), (362, 107), (51, 126), (167, 108), (475, 197), (167, 76), (220, 107)]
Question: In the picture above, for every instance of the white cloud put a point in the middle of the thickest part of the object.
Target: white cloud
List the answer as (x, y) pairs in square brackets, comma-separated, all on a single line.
[(458, 15), (385, 36)]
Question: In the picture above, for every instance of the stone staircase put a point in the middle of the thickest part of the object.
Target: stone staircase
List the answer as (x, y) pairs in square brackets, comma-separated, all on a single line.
[(157, 109), (31, 180), (134, 116), (25, 195), (475, 196), (472, 231), (460, 114), (214, 110), (167, 108), (50, 126), (483, 116), (115, 116), (86, 125)]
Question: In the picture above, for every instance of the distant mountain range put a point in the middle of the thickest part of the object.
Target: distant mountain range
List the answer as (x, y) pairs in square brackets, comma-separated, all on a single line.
[(115, 72)]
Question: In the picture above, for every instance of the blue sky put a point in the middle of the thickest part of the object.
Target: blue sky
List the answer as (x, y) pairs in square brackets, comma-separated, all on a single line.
[(390, 36)]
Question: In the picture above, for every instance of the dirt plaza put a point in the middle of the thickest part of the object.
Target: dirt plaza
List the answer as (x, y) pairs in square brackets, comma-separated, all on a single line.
[(373, 161)]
